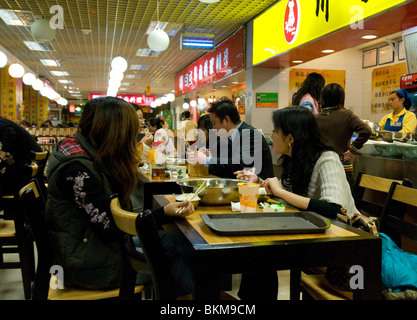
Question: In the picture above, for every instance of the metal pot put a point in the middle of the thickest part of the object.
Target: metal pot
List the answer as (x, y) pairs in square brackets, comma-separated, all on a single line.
[(219, 191)]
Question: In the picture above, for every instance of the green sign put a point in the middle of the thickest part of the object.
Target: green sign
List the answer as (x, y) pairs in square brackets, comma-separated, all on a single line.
[(267, 100)]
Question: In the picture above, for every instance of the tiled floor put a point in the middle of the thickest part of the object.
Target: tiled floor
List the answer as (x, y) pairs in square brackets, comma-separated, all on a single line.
[(11, 287)]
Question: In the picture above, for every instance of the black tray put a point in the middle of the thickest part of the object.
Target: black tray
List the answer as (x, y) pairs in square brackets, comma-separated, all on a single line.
[(239, 224)]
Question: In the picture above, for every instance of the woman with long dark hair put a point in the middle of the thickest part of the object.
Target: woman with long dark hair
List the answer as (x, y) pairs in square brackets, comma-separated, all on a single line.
[(309, 94), (83, 172), (313, 179)]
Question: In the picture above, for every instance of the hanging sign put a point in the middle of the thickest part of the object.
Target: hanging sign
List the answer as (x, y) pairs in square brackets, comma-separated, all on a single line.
[(140, 99), (225, 60), (292, 23)]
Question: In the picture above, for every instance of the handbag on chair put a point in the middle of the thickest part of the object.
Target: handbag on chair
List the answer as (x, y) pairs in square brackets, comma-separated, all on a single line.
[(339, 276)]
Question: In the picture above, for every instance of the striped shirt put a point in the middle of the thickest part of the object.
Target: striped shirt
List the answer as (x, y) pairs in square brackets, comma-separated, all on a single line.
[(328, 182)]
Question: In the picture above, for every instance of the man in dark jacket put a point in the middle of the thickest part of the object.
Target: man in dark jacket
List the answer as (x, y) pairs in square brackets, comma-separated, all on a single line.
[(19, 144), (237, 146)]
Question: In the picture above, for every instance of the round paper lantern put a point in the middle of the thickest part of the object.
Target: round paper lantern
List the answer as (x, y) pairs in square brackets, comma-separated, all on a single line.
[(153, 104), (158, 40), (3, 59), (164, 100), (42, 31), (37, 85), (114, 83), (116, 75), (185, 105), (171, 97), (29, 79), (193, 103), (119, 63), (62, 101), (16, 70)]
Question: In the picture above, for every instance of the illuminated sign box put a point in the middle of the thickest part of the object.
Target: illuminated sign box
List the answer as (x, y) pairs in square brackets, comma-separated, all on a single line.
[(197, 41), (225, 60), (139, 99), (297, 22)]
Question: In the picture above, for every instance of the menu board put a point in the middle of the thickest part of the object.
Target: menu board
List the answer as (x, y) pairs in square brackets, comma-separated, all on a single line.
[(384, 81), (410, 45)]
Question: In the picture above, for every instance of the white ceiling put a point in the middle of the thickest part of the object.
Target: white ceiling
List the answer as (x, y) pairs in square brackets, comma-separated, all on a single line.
[(118, 28)]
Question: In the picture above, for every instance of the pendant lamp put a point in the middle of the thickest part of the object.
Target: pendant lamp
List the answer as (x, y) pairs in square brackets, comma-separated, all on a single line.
[(3, 59), (158, 40), (42, 31), (16, 70)]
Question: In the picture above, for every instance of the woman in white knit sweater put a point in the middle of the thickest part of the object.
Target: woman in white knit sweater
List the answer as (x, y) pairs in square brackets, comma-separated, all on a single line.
[(313, 177)]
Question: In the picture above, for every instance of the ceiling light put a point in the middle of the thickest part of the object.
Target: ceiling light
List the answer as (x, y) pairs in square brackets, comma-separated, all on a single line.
[(16, 70), (171, 97), (193, 103), (119, 63), (209, 1), (51, 63), (59, 73), (37, 85), (29, 79), (116, 75), (327, 51), (169, 27), (185, 105), (66, 81), (298, 61), (138, 66), (42, 31), (158, 40), (17, 17), (147, 53), (38, 46), (130, 76), (153, 104), (3, 59), (369, 37)]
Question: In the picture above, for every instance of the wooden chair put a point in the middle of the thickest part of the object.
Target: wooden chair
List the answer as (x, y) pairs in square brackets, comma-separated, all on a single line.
[(125, 221), (34, 207), (370, 193), (163, 281), (15, 233), (401, 225)]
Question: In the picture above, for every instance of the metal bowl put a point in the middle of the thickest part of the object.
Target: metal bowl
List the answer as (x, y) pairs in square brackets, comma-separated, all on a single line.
[(402, 136), (387, 136), (219, 191)]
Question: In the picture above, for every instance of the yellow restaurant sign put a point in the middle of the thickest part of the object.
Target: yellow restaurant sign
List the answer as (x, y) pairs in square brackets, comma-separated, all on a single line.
[(292, 23)]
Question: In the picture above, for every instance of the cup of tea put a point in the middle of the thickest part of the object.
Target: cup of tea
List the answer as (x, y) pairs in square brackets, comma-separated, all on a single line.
[(158, 172), (248, 196)]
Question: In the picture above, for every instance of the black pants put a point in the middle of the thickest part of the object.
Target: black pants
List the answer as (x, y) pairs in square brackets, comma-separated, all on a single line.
[(259, 286)]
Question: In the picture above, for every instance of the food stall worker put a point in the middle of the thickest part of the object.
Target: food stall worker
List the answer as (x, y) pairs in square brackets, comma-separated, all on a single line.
[(400, 119)]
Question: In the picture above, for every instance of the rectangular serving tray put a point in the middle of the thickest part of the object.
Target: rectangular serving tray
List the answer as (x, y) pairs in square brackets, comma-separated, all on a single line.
[(239, 224)]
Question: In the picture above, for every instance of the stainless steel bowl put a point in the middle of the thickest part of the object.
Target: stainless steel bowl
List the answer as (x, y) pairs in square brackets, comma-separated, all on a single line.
[(386, 136), (402, 136), (219, 191)]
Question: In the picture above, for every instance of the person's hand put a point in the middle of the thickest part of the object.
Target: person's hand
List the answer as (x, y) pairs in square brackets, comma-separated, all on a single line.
[(272, 186), (174, 209), (205, 151), (195, 157), (348, 156), (147, 139), (246, 176)]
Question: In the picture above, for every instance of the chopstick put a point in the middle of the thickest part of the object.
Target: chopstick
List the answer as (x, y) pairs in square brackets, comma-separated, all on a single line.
[(199, 190)]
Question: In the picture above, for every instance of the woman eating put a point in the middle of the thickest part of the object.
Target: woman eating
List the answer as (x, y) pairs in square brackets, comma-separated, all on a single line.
[(83, 172)]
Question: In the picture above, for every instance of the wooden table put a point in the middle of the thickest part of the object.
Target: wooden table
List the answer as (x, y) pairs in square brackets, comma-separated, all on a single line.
[(210, 256)]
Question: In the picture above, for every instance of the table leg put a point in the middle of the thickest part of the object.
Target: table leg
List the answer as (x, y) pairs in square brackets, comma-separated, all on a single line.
[(295, 287)]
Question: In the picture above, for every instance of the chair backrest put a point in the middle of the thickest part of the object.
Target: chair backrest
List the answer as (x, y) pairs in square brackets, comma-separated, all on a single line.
[(33, 205), (163, 281), (399, 217), (125, 220), (370, 193), (41, 159)]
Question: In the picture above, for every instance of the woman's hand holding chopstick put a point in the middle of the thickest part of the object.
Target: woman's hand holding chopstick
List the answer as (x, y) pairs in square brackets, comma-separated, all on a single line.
[(179, 209)]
